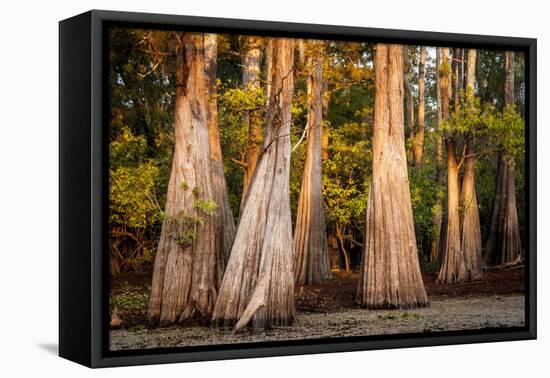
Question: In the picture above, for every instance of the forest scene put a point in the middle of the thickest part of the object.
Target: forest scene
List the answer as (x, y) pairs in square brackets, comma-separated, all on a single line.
[(268, 189)]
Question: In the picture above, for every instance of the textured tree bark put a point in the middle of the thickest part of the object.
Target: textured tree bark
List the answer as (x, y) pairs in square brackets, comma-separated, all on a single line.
[(457, 85), (438, 205), (258, 285), (471, 61), (504, 241), (311, 259), (510, 249), (185, 271), (390, 273), (418, 143), (268, 68), (251, 59), (223, 214), (470, 226), (409, 99), (452, 268), (471, 230)]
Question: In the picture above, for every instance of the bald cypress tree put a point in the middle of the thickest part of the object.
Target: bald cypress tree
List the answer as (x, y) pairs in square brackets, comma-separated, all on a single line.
[(390, 273), (311, 263), (185, 273), (470, 227), (258, 285), (504, 242)]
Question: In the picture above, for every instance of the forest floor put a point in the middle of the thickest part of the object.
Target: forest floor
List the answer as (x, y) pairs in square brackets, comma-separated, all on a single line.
[(328, 311)]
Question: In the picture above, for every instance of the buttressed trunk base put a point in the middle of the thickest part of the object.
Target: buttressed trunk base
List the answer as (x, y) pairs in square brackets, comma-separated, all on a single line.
[(390, 273), (311, 263), (185, 272), (258, 285)]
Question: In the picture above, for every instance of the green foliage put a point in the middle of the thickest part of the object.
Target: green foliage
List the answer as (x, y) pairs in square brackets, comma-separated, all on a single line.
[(129, 298), (186, 239), (134, 213), (132, 196), (507, 130), (141, 135), (467, 118), (128, 149), (241, 100), (346, 178), (423, 195), (131, 183), (206, 206)]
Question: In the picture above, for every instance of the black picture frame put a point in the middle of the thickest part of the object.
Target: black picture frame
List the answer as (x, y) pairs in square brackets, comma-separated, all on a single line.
[(83, 167)]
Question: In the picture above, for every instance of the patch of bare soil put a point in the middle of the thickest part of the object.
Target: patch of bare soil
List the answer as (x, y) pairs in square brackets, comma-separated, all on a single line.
[(443, 314), (130, 293)]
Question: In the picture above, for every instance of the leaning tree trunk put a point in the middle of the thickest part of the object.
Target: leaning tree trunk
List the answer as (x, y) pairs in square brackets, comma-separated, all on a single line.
[(504, 242), (223, 214), (418, 142), (251, 59), (258, 285), (185, 271), (438, 205), (311, 259), (470, 227), (390, 273)]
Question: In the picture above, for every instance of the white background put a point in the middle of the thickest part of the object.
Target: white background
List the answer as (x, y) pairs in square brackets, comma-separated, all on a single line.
[(29, 186)]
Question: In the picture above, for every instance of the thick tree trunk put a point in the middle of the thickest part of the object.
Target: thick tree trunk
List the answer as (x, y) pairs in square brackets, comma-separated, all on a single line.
[(258, 285), (409, 99), (311, 259), (390, 273), (185, 271), (453, 268), (471, 230), (470, 226), (251, 59), (504, 242), (418, 143), (438, 205)]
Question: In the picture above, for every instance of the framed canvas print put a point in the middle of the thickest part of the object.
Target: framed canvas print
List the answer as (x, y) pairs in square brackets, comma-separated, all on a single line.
[(233, 188)]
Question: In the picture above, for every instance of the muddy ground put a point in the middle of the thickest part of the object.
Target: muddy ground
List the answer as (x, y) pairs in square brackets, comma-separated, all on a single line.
[(442, 314), (328, 311)]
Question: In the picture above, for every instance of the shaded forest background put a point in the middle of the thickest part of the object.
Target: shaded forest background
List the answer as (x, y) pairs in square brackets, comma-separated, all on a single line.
[(141, 135)]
